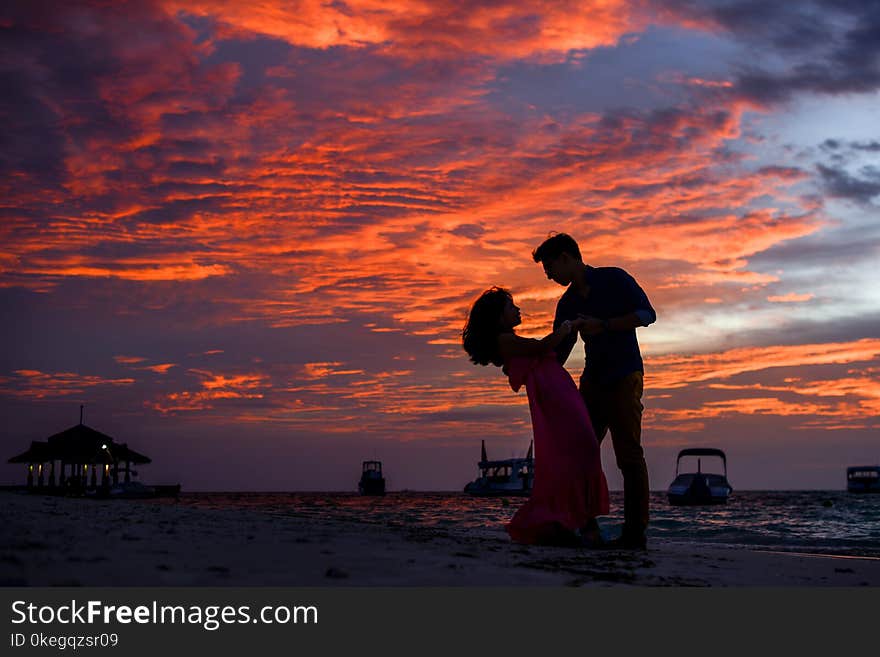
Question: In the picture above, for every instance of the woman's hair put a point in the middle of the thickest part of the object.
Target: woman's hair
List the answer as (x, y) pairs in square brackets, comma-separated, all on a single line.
[(480, 335)]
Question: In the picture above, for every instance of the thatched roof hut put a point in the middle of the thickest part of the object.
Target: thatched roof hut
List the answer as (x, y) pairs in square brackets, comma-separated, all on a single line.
[(79, 444), (80, 447)]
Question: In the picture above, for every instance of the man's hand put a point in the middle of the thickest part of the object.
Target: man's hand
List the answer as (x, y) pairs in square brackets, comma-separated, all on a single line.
[(590, 325)]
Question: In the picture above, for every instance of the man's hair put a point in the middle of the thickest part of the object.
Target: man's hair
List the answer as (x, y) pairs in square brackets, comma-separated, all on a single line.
[(555, 246)]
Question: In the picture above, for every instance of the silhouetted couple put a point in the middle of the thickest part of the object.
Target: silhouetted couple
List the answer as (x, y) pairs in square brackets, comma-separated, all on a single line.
[(604, 305)]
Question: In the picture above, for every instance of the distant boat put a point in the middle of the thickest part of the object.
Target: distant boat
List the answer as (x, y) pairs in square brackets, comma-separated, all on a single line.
[(863, 479), (699, 488), (131, 490), (372, 482), (503, 477)]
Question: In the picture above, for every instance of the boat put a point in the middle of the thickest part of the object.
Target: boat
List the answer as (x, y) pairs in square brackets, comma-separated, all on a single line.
[(863, 479), (503, 477), (372, 482), (133, 490), (699, 488)]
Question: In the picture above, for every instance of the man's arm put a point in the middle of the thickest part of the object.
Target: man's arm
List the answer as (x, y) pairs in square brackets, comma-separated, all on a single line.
[(643, 313), (563, 349)]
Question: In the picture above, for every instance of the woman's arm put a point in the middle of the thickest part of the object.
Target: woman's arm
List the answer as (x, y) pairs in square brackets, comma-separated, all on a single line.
[(510, 344)]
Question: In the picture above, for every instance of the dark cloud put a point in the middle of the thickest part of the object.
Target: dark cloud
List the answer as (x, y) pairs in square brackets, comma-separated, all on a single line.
[(471, 231), (172, 212), (188, 169), (784, 173), (860, 146), (60, 62), (838, 183), (816, 331), (823, 251), (821, 46)]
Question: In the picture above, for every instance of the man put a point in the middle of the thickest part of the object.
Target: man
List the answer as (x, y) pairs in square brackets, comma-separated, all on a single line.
[(611, 385)]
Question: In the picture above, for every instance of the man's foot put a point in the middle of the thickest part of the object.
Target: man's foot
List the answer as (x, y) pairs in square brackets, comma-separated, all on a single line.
[(626, 542), (590, 535)]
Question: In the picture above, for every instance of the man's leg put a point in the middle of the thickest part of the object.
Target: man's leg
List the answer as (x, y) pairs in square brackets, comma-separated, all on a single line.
[(625, 422)]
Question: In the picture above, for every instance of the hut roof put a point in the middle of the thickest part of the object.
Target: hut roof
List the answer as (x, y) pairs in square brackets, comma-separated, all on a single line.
[(79, 444), (38, 452)]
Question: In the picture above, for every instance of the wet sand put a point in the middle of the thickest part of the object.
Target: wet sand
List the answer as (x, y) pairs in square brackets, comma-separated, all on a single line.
[(51, 541)]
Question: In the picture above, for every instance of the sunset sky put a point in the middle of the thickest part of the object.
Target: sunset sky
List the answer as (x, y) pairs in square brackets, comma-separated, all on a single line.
[(246, 234)]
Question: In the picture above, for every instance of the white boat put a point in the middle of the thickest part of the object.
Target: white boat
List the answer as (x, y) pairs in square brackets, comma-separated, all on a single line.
[(132, 489), (503, 477), (126, 490), (863, 479), (371, 482), (699, 488)]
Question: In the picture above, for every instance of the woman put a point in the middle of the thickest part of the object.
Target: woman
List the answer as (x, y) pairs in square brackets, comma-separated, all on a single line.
[(570, 490)]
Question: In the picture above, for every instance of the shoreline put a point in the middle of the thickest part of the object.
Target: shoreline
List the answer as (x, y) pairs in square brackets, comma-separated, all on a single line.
[(58, 541)]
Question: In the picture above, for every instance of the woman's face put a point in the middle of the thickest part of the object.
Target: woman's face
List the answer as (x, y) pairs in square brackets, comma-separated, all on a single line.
[(510, 316)]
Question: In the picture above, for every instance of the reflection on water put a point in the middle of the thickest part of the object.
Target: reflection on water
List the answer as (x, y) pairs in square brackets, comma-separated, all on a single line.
[(814, 521)]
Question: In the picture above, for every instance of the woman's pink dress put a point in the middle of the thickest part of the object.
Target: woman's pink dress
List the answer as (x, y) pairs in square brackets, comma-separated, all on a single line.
[(569, 487)]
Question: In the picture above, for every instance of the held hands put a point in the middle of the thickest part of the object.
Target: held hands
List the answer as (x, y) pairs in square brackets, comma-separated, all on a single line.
[(570, 325), (589, 325), (585, 325)]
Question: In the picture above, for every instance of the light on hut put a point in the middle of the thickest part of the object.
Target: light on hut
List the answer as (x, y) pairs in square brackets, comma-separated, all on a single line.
[(104, 446)]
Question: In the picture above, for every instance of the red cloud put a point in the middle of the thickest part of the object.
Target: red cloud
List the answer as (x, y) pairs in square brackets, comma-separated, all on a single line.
[(429, 29), (34, 384)]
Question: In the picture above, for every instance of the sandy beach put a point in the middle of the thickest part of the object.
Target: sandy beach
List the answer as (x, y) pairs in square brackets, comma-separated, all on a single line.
[(52, 541)]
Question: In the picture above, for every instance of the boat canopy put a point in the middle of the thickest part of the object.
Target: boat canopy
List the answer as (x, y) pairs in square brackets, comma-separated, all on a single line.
[(701, 451), (863, 470)]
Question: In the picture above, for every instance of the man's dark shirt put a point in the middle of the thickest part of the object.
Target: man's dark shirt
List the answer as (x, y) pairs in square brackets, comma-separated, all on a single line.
[(610, 355)]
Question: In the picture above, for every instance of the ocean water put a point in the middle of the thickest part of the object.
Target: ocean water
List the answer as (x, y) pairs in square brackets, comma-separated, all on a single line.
[(821, 522)]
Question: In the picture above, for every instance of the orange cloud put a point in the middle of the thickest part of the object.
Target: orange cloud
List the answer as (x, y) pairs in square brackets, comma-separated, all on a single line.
[(129, 360), (37, 385), (790, 298), (212, 381), (314, 371), (123, 270), (676, 371), (215, 388), (851, 401), (420, 29), (160, 369)]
